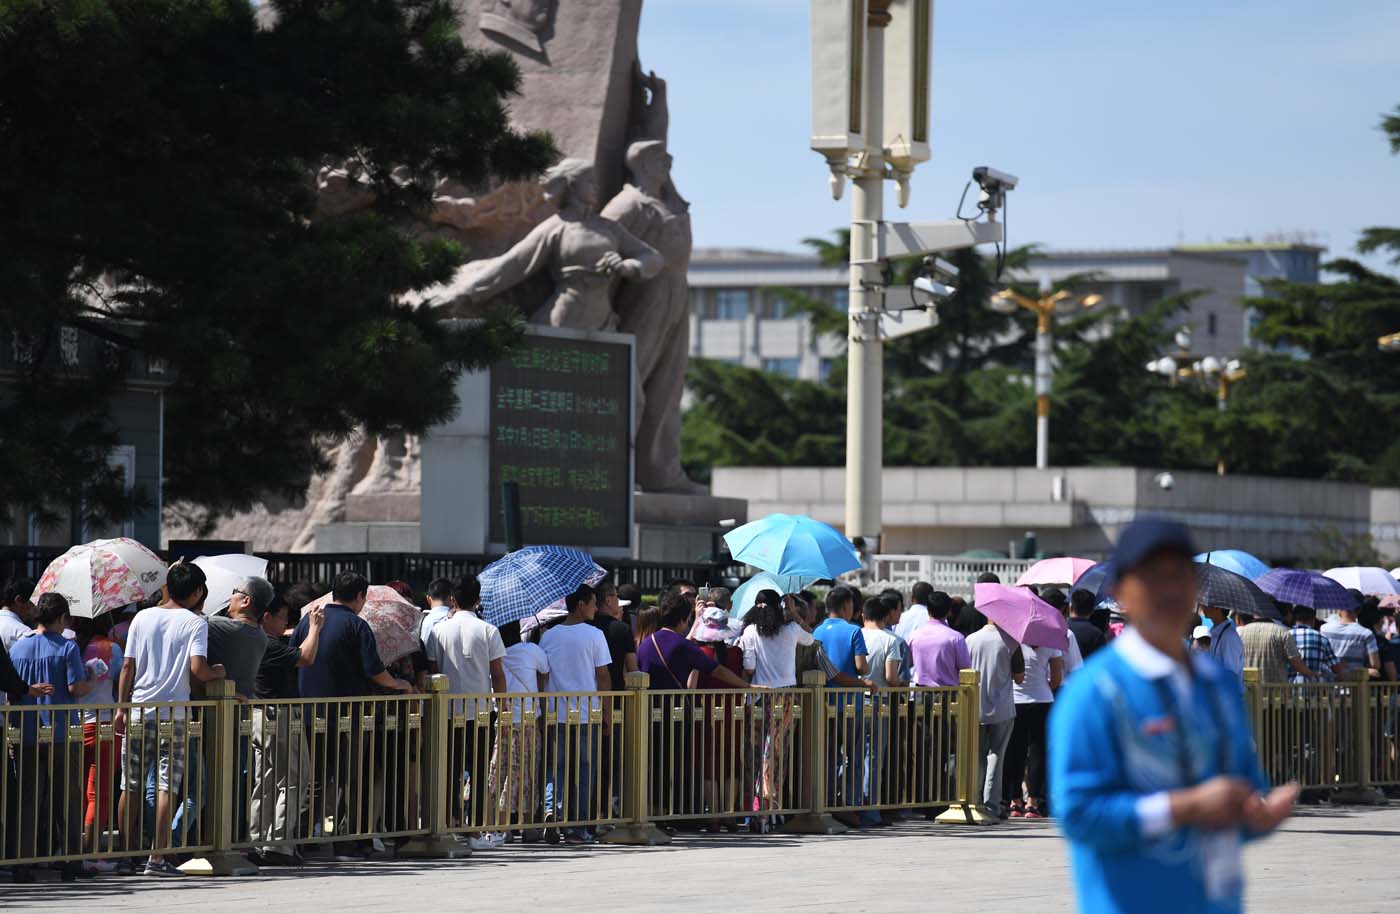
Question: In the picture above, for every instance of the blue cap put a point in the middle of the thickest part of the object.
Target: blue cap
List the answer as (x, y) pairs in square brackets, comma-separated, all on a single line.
[(1143, 538)]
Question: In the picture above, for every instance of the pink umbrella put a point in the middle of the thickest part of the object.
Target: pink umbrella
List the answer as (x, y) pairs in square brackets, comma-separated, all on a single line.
[(1062, 570), (393, 620), (1023, 615)]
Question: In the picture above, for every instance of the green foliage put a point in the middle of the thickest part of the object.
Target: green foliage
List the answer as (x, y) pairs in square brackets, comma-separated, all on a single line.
[(169, 147)]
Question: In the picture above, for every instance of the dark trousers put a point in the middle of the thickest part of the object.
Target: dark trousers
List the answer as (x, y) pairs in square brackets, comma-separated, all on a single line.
[(1025, 754)]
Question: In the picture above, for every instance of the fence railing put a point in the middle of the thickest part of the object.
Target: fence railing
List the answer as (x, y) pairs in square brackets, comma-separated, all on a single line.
[(950, 574), (218, 777)]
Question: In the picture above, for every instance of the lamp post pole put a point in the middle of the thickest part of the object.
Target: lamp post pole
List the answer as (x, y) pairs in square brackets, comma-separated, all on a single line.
[(865, 350)]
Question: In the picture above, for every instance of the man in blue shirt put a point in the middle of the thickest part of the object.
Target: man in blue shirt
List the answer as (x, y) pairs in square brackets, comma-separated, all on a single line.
[(1153, 770), (844, 645), (48, 771)]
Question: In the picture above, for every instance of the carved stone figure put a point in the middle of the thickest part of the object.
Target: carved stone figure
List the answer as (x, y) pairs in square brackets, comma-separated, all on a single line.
[(525, 22), (657, 312), (582, 251)]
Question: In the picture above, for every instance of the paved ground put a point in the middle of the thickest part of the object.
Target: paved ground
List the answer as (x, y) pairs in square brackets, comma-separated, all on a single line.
[(1324, 860)]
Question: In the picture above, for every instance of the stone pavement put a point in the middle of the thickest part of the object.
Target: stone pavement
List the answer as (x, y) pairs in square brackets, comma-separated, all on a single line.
[(1324, 859)]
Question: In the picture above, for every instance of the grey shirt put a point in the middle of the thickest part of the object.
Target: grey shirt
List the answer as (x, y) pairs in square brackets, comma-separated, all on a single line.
[(239, 647), (991, 658)]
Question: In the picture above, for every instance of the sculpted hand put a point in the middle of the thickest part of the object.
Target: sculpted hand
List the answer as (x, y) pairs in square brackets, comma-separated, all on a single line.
[(609, 262), (629, 269)]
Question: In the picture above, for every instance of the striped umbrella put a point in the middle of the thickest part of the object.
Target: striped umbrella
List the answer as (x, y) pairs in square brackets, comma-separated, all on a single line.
[(1305, 588)]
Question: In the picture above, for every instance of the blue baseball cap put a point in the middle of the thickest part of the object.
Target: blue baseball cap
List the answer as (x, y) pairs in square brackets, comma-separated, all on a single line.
[(1144, 538)]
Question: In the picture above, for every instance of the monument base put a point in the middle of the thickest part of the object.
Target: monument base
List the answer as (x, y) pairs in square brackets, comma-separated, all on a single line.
[(684, 528)]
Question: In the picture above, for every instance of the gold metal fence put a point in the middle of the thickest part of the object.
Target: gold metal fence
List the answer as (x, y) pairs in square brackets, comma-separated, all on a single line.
[(105, 781), (310, 771), (1383, 711), (216, 778)]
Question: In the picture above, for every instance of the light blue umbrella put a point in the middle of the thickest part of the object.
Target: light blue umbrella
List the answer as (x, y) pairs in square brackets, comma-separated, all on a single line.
[(747, 593), (1236, 560), (791, 544), (530, 580)]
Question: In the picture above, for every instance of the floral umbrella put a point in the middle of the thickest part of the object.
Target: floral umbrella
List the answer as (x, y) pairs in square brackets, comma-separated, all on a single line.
[(103, 575), (393, 620)]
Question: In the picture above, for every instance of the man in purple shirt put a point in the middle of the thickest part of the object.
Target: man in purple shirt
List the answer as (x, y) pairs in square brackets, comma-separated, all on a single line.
[(938, 651)]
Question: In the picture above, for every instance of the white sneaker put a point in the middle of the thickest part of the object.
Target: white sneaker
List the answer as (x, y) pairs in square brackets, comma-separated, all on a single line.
[(485, 842)]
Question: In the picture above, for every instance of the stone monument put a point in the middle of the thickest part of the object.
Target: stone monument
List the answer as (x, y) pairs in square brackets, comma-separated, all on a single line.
[(546, 248)]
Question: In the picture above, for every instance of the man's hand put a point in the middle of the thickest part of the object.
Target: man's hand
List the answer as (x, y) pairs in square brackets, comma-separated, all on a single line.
[(1265, 813), (216, 671), (119, 722), (402, 685), (1221, 802), (40, 690), (316, 618)]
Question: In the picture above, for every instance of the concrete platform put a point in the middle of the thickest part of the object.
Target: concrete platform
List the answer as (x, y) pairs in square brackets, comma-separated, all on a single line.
[(1324, 859)]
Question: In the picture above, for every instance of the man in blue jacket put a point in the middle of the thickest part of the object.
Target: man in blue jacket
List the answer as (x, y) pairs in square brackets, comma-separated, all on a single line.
[(1153, 771)]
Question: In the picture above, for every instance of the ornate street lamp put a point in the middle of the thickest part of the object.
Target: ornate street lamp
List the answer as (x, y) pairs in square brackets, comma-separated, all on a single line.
[(1185, 365), (1009, 301)]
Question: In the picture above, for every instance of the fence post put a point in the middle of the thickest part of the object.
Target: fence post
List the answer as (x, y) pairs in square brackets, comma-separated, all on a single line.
[(967, 810), (816, 821), (636, 769), (438, 779), (1364, 794), (220, 738), (1253, 702)]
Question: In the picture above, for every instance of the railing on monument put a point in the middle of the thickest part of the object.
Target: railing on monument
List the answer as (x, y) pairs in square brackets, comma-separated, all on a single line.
[(952, 574)]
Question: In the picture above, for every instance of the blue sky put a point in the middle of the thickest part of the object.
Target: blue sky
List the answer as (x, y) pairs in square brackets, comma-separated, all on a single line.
[(1130, 123)]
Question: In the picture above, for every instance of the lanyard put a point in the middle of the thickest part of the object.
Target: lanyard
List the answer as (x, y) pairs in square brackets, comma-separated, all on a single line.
[(1183, 750)]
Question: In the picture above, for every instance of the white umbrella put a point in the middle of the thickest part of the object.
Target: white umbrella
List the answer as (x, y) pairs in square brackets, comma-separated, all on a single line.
[(1367, 579), (223, 573), (103, 575)]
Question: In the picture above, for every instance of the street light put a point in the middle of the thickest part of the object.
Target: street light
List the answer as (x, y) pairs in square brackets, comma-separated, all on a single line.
[(1389, 343), (1007, 301), (1183, 365)]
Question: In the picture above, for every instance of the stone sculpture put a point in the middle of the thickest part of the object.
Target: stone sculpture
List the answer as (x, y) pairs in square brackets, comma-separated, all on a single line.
[(526, 22), (582, 251), (657, 312)]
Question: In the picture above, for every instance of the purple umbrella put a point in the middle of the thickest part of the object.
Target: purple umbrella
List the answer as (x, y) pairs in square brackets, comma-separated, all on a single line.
[(1023, 615), (1305, 588)]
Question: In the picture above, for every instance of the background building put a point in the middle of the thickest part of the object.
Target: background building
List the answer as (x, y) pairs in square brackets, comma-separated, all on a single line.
[(737, 317)]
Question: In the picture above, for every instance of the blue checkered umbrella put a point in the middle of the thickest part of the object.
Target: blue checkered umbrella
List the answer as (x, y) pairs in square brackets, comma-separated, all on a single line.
[(531, 579), (1305, 588)]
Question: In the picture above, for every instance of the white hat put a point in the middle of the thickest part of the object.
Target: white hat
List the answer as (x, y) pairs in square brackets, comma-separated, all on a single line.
[(624, 602), (1200, 632)]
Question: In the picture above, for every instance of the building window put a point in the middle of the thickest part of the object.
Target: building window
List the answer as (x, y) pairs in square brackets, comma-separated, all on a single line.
[(841, 299), (1210, 324), (786, 367), (732, 304)]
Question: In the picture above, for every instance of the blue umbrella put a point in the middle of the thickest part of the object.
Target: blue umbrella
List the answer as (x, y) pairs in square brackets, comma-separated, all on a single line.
[(1236, 560), (1093, 581), (747, 594), (788, 544), (1305, 588), (531, 579)]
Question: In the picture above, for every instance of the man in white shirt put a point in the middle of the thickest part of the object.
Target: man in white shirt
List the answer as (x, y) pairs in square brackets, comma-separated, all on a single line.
[(439, 607), (17, 611), (1226, 648), (470, 652), (1353, 643), (166, 645), (578, 662), (916, 616)]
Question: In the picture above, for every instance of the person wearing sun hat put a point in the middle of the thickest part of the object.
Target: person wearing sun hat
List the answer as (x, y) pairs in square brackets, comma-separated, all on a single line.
[(1153, 771)]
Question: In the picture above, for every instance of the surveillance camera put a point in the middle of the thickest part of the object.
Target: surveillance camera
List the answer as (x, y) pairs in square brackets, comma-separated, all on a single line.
[(931, 286), (939, 269), (991, 180), (1165, 481)]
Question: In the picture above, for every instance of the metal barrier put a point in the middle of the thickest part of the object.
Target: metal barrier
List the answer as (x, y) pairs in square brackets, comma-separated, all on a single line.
[(1306, 732), (66, 763), (1382, 704), (950, 574), (723, 756), (308, 771)]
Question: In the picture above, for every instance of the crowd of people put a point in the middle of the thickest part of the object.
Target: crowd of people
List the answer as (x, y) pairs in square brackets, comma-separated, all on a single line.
[(76, 792)]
